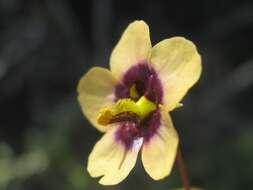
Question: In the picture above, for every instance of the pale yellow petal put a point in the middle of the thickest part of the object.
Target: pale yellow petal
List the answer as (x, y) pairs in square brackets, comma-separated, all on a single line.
[(95, 91), (133, 47), (179, 66), (111, 160), (158, 155)]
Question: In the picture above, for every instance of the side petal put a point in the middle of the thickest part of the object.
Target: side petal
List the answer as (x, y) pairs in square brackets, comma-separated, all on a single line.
[(179, 66), (133, 47), (111, 160), (95, 91), (158, 154)]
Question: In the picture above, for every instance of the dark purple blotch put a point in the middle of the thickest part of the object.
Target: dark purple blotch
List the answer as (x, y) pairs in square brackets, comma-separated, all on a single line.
[(126, 134), (129, 131), (146, 80)]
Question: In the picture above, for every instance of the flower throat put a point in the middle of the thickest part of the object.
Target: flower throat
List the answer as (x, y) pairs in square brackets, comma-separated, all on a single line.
[(126, 110)]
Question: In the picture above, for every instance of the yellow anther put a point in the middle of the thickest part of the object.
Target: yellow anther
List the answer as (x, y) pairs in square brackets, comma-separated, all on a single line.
[(104, 117), (133, 92)]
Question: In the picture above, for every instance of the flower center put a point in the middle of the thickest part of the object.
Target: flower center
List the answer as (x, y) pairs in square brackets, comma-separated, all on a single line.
[(137, 120), (136, 108), (126, 110)]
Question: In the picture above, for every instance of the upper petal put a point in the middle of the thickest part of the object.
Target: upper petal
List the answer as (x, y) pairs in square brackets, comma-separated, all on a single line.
[(133, 47), (158, 154), (110, 159), (95, 91), (179, 66)]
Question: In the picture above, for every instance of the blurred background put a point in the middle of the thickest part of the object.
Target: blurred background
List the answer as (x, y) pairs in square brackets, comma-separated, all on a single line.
[(47, 45)]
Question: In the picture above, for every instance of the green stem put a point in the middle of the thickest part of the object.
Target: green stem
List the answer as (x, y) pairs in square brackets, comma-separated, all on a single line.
[(182, 170)]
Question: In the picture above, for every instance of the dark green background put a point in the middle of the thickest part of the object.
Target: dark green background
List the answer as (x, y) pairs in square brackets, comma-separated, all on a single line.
[(47, 45)]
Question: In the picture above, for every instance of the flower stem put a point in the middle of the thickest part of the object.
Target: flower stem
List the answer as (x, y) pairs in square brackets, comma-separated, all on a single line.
[(182, 170)]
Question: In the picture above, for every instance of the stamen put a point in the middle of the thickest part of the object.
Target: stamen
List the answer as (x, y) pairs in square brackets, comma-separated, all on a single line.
[(133, 92), (104, 117)]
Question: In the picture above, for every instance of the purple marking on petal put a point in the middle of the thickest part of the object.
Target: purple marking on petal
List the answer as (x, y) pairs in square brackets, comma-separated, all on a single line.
[(126, 134), (146, 80), (150, 125), (154, 90), (121, 91)]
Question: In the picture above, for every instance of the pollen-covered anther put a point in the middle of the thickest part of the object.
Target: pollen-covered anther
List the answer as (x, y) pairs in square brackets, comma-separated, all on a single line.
[(104, 117)]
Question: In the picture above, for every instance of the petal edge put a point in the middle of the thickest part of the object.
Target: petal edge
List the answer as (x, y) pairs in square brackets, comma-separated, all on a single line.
[(179, 66), (111, 160), (134, 46), (158, 155), (95, 91)]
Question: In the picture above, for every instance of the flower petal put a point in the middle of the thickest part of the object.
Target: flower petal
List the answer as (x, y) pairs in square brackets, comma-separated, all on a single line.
[(179, 66), (95, 91), (133, 47), (111, 159), (158, 154)]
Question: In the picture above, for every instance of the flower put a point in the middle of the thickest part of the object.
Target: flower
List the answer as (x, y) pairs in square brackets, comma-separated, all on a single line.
[(130, 103)]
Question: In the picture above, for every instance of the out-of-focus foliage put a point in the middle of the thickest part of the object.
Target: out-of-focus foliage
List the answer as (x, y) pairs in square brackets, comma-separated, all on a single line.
[(47, 45), (192, 188), (21, 167)]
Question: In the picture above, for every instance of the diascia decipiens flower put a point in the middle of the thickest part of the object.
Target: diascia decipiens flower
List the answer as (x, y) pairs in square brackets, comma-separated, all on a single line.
[(130, 103)]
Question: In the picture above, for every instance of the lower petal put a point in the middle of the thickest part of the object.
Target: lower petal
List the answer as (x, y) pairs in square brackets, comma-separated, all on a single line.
[(111, 160), (158, 154)]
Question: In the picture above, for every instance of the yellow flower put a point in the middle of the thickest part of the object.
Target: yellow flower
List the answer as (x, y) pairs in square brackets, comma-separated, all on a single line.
[(131, 101)]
